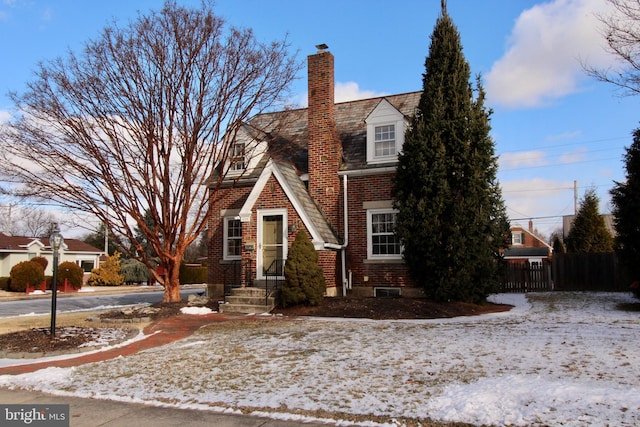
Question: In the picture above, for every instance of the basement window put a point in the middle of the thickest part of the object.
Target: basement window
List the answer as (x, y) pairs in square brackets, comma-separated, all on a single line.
[(387, 292)]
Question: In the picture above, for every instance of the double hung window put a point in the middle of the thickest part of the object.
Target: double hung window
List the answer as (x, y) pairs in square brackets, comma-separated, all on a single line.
[(232, 238), (381, 239), (385, 141)]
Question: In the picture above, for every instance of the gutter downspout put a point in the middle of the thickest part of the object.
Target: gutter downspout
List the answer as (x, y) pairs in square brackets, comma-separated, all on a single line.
[(346, 284), (343, 251)]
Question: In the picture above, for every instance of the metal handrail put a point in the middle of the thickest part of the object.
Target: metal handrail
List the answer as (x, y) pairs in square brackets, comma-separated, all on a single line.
[(275, 270), (235, 264)]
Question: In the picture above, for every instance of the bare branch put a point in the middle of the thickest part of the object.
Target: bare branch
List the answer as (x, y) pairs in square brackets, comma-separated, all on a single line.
[(134, 123), (621, 30)]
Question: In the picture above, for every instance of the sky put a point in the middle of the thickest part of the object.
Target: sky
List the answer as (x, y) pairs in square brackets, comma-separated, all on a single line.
[(557, 132), (555, 359)]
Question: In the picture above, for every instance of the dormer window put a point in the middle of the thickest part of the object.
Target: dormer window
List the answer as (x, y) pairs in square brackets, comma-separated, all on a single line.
[(385, 141), (238, 161), (385, 133)]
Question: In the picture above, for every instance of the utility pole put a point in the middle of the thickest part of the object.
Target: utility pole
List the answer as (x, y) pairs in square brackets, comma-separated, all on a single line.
[(575, 197)]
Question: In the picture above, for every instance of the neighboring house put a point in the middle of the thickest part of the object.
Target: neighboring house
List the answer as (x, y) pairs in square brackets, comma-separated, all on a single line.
[(526, 245), (327, 169), (15, 249), (567, 224)]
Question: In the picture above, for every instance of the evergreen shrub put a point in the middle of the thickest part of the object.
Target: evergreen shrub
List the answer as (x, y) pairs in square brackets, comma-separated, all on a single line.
[(134, 271), (41, 260), (72, 272), (23, 273), (108, 274), (303, 279)]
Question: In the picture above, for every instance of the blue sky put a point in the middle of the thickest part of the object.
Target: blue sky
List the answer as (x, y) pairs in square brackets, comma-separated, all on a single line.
[(552, 125)]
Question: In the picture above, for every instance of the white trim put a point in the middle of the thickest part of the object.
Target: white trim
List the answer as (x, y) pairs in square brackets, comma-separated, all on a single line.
[(385, 114), (272, 169), (378, 204), (370, 254), (285, 241), (225, 239), (524, 230), (368, 172)]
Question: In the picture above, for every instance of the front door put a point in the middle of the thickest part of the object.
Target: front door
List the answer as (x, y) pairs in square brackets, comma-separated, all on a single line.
[(272, 242)]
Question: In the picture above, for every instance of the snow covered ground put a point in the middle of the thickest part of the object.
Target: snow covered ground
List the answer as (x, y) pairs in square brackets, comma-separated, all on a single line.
[(567, 359)]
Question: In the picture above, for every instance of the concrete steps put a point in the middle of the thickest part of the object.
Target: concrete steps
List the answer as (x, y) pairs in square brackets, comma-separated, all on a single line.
[(247, 300)]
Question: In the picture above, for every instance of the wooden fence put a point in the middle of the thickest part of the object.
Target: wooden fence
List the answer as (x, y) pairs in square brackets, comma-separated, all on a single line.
[(588, 272), (524, 276), (567, 272)]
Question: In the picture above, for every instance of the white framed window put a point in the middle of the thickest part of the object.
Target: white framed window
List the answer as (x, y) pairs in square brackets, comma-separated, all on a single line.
[(238, 157), (385, 133), (232, 238), (384, 141), (517, 238), (382, 243)]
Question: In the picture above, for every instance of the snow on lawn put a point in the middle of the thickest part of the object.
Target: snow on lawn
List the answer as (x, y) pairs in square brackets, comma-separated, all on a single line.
[(556, 358)]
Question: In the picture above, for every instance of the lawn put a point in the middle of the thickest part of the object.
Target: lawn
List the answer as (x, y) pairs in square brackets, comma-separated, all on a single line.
[(556, 358)]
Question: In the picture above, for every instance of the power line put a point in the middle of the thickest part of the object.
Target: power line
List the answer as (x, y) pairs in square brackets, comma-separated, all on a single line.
[(547, 147), (519, 168)]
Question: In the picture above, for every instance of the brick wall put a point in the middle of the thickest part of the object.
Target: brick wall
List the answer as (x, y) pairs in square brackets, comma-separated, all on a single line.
[(391, 273), (272, 197), (222, 198)]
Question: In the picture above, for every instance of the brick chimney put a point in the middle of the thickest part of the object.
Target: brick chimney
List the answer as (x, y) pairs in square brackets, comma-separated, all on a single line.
[(325, 148)]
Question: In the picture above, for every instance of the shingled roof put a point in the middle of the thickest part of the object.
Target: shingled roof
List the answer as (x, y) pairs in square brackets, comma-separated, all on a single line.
[(20, 243), (286, 131)]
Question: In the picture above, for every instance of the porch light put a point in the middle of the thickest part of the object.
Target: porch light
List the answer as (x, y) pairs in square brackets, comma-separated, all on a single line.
[(55, 241)]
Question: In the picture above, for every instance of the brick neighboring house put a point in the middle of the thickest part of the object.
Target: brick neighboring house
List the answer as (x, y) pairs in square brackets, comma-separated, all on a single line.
[(327, 169), (15, 249), (527, 246)]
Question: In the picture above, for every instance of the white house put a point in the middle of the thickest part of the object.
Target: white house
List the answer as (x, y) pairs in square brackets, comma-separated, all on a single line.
[(14, 249)]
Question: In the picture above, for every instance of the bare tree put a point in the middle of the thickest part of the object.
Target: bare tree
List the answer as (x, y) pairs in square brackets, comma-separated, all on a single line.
[(34, 222), (621, 30), (135, 123)]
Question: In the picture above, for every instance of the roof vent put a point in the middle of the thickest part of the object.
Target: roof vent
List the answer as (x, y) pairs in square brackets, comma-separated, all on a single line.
[(322, 47)]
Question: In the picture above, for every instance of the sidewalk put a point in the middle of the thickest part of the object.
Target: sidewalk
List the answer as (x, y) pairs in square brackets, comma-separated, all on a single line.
[(108, 413)]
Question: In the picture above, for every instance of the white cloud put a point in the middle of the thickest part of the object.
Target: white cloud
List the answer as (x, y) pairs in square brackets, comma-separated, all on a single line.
[(522, 159), (350, 91), (343, 92), (564, 136), (544, 53), (573, 156)]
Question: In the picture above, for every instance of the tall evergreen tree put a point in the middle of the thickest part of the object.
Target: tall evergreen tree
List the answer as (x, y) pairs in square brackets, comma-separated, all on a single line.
[(625, 197), (451, 216), (589, 233)]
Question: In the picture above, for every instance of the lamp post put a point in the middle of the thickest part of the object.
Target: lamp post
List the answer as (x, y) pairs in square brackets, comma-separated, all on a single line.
[(55, 241)]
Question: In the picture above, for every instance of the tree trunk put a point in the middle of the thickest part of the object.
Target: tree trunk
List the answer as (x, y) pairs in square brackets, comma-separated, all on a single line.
[(172, 283)]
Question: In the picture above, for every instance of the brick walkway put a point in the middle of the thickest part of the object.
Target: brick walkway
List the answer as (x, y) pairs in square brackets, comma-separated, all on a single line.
[(159, 333)]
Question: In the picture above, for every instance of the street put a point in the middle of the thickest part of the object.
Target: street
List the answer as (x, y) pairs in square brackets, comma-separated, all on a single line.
[(82, 301)]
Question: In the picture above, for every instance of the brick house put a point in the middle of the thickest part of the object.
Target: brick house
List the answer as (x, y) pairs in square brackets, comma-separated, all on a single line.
[(526, 245), (326, 169)]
